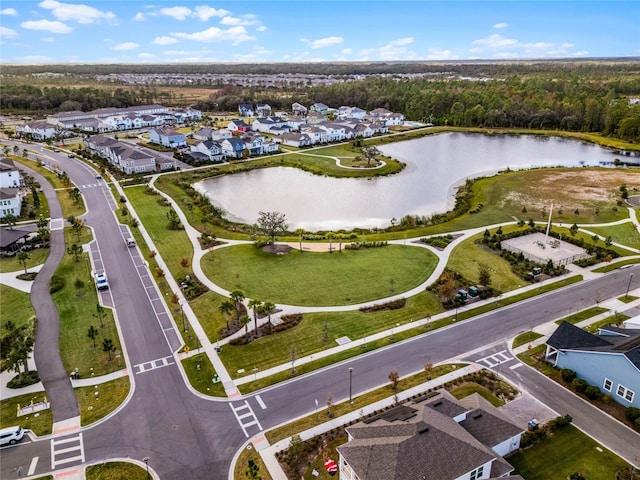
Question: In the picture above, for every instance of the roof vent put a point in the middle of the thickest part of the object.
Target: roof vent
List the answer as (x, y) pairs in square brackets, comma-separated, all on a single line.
[(423, 430), (438, 403), (477, 416)]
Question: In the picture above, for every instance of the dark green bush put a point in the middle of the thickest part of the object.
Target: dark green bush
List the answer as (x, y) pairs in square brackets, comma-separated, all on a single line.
[(632, 413), (57, 284), (593, 392), (579, 385), (568, 375)]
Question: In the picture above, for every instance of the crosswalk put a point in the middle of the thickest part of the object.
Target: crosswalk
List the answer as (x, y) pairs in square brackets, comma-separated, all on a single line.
[(495, 360), (246, 416), (153, 364), (67, 450)]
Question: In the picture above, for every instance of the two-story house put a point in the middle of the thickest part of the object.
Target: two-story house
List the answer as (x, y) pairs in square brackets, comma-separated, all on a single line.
[(232, 148), (246, 110), (213, 150), (263, 109), (9, 174), (609, 360), (436, 437), (298, 109), (167, 137), (238, 126)]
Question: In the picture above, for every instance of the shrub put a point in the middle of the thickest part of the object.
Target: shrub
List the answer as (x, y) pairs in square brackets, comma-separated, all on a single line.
[(632, 413), (593, 392), (57, 284), (568, 375), (559, 423), (579, 385)]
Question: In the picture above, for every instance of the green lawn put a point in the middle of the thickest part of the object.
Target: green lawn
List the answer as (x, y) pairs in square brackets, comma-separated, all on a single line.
[(40, 424), (116, 471), (467, 257), (110, 395), (200, 373), (525, 337), (76, 303), (16, 307), (308, 336), (206, 309), (566, 452), (616, 265), (583, 315), (319, 279), (626, 234), (12, 264), (470, 388)]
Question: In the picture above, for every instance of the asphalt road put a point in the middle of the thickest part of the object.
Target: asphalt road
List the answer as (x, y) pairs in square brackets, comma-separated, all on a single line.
[(187, 436)]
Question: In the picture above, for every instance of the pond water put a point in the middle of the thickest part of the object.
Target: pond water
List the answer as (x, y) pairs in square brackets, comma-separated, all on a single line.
[(435, 165)]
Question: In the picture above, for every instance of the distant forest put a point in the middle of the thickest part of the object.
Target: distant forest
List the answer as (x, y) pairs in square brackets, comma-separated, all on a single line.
[(589, 96)]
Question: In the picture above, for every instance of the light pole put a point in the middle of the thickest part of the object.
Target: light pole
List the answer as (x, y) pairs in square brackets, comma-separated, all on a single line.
[(146, 462), (350, 384), (184, 328), (626, 296)]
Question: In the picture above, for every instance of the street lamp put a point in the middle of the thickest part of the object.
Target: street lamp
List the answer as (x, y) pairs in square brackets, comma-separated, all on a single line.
[(626, 296), (184, 328), (350, 384), (146, 462)]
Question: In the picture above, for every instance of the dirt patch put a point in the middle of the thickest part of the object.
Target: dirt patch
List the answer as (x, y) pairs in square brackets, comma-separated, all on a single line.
[(590, 185), (278, 249)]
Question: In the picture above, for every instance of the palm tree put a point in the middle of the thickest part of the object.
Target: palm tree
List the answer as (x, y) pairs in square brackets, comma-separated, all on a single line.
[(237, 296), (255, 304), (22, 258), (267, 309), (299, 232), (245, 320), (226, 307)]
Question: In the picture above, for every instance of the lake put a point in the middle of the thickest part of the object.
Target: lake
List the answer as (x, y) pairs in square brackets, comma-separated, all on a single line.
[(435, 165)]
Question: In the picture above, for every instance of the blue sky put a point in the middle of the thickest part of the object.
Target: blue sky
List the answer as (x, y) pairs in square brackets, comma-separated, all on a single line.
[(133, 31)]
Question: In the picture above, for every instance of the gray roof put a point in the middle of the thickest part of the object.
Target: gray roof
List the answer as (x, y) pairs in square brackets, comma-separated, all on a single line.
[(617, 341), (9, 236), (485, 423), (421, 440)]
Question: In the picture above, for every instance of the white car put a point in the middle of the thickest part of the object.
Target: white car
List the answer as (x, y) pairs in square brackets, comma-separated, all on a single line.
[(101, 281), (11, 435)]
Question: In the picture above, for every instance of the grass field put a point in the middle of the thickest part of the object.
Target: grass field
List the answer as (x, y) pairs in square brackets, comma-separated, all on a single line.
[(12, 264), (109, 396), (200, 373), (468, 256), (525, 337), (41, 424), (16, 307), (308, 336), (116, 471), (583, 315), (76, 303), (467, 389), (297, 278), (566, 452), (626, 234)]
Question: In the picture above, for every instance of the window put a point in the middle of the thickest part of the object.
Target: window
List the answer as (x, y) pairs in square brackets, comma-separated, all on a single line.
[(625, 393), (607, 384), (477, 473)]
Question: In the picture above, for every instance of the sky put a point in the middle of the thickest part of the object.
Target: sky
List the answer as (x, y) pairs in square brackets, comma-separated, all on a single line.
[(168, 31)]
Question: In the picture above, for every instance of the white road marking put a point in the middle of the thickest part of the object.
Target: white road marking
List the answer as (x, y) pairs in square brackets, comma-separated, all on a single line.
[(517, 365), (55, 451), (32, 466), (250, 413), (153, 364), (260, 402), (495, 359)]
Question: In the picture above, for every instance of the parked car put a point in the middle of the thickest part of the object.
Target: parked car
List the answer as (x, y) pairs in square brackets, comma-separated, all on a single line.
[(101, 281), (11, 435)]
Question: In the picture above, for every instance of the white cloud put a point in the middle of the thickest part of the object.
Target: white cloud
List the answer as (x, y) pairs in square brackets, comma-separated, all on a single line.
[(501, 25), (346, 51), (327, 42), (498, 46), (395, 50), (581, 53), (139, 17), (36, 59), (179, 13), (261, 28), (46, 25), (77, 12), (147, 56), (48, 39), (8, 11), (125, 46), (248, 19), (257, 55), (7, 32), (214, 34), (165, 40), (439, 54), (204, 12)]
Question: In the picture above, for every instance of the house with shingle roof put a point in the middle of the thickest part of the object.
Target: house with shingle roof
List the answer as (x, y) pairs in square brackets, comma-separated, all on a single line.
[(9, 174), (436, 437), (298, 109), (37, 130), (609, 360), (167, 137)]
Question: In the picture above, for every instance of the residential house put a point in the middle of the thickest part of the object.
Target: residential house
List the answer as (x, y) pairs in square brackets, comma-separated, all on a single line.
[(213, 150), (10, 202), (13, 239), (362, 130), (335, 131), (165, 163), (186, 115), (296, 139), (320, 108), (436, 437), (236, 126), (263, 110), (37, 130), (122, 155), (298, 109), (295, 122), (204, 134), (380, 113), (270, 146), (272, 125), (246, 110), (609, 360), (345, 112), (221, 134), (315, 134), (232, 147), (9, 174), (395, 120), (252, 143), (167, 137), (314, 118)]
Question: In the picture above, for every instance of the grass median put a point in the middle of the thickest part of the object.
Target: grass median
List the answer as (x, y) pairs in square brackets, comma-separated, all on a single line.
[(98, 401), (116, 471), (320, 279), (40, 423)]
